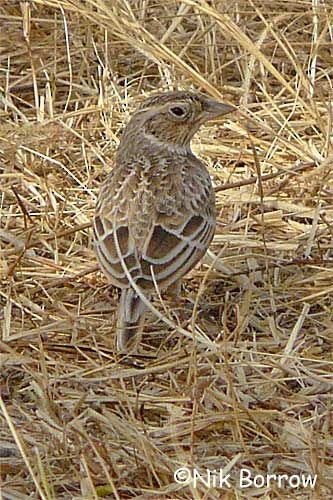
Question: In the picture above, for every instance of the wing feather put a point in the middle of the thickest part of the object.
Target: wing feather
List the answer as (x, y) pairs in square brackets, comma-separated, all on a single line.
[(164, 232)]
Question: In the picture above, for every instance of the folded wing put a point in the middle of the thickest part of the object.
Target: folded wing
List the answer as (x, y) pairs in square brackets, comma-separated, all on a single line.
[(157, 244)]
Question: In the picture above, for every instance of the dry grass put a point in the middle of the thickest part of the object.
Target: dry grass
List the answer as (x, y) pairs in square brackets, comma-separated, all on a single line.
[(251, 389)]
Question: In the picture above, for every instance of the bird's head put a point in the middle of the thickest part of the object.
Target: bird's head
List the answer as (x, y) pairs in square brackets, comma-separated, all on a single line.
[(172, 118)]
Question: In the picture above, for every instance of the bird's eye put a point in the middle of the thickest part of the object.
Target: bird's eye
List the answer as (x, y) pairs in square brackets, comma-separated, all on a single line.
[(178, 111)]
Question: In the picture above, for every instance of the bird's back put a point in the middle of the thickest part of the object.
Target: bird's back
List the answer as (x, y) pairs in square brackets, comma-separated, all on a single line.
[(161, 208)]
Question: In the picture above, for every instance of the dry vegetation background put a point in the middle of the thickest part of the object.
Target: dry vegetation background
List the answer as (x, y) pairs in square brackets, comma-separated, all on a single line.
[(251, 389)]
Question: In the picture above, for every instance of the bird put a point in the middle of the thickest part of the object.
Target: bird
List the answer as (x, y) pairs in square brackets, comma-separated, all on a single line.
[(155, 213)]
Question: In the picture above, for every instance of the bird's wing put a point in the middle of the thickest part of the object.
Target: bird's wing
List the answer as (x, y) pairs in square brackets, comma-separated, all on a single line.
[(123, 217), (163, 225), (182, 231)]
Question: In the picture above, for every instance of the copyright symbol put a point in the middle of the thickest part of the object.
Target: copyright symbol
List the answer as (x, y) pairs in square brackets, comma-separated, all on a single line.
[(182, 475)]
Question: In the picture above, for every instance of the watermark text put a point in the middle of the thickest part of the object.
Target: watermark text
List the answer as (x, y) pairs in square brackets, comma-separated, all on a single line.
[(244, 478)]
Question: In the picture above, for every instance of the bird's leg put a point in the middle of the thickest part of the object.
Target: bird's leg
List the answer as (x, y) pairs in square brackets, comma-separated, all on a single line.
[(174, 289)]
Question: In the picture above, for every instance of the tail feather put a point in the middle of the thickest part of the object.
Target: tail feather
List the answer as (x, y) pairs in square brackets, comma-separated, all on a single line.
[(131, 315)]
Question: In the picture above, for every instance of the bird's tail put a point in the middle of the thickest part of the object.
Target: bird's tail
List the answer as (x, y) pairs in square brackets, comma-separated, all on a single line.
[(131, 315)]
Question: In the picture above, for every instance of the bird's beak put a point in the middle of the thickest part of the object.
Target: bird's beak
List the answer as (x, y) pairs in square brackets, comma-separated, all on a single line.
[(214, 109)]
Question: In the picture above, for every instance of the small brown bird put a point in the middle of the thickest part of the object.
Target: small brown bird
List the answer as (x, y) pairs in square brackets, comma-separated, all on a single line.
[(155, 215)]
